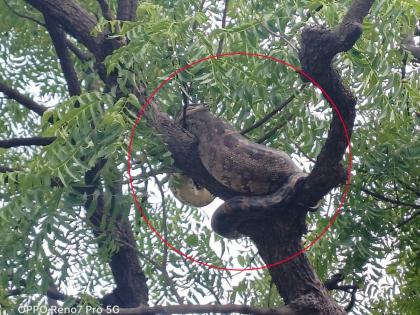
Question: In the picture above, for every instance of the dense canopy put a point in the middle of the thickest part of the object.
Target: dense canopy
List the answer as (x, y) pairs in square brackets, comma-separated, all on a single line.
[(73, 77)]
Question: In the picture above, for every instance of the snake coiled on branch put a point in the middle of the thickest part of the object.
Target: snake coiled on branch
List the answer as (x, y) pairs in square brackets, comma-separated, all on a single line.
[(263, 176)]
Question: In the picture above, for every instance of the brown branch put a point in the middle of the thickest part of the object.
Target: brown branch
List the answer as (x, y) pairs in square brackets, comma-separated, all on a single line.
[(349, 30), (319, 46), (198, 309), (386, 199), (106, 11), (166, 278), (126, 10), (276, 110), (5, 169), (131, 287), (60, 45), (83, 56), (225, 9), (22, 99), (51, 293), (333, 284), (21, 142), (183, 146), (80, 54), (77, 22)]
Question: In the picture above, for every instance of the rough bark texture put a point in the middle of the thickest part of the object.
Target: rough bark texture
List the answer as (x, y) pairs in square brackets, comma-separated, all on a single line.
[(131, 289), (75, 20), (127, 10), (275, 238), (60, 44), (279, 237)]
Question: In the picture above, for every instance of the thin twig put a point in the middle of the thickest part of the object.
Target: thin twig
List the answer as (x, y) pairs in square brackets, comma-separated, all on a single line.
[(163, 266), (386, 199), (303, 152), (83, 56), (269, 134), (407, 220), (276, 110), (279, 35), (225, 9)]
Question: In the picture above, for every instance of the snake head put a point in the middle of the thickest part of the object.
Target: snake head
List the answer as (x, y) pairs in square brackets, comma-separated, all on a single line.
[(191, 110), (197, 107)]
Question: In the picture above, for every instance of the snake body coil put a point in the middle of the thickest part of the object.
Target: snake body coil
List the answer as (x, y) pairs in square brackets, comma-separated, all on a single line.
[(263, 175)]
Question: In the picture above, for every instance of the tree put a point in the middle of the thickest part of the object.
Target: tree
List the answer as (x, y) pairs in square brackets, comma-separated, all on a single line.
[(74, 75)]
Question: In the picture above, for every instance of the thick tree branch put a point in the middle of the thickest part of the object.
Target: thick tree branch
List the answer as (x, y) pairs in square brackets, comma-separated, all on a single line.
[(79, 53), (199, 309), (131, 287), (106, 11), (319, 46), (126, 10), (349, 30), (76, 21), (21, 142), (183, 146), (60, 45), (22, 99), (278, 236)]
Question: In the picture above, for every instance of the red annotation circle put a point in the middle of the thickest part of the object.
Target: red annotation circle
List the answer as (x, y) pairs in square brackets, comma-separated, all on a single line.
[(260, 56)]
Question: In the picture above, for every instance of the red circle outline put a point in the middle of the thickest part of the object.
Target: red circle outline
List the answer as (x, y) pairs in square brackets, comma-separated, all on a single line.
[(169, 78)]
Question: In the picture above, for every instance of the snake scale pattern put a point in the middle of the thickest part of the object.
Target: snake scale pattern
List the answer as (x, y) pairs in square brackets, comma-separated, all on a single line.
[(263, 175)]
